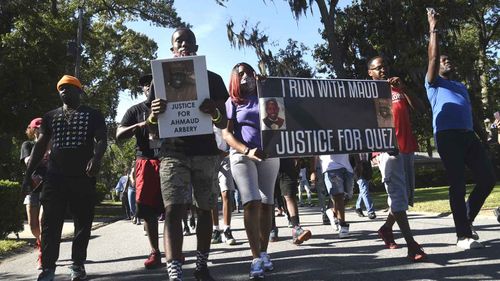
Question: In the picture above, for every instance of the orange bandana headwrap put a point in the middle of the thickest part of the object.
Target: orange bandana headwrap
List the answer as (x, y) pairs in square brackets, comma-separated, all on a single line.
[(68, 79)]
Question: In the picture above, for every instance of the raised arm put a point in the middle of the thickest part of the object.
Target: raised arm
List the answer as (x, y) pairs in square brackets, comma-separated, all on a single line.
[(433, 49)]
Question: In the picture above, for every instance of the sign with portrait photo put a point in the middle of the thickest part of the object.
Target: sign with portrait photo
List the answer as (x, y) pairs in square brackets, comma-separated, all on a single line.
[(183, 83), (303, 117)]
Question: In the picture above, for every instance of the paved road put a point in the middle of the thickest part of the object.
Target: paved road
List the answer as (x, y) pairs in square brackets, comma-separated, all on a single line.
[(117, 251)]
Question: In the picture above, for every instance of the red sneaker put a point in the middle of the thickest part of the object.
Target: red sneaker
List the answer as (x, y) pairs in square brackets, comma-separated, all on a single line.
[(386, 235), (153, 261), (416, 253)]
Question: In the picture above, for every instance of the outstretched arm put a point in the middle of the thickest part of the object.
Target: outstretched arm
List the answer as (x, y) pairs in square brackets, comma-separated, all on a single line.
[(414, 102), (433, 49)]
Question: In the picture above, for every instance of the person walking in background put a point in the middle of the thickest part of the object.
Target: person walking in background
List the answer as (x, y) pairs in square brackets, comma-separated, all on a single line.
[(363, 173), (226, 185), (145, 173), (120, 190), (131, 194), (32, 201), (288, 176), (338, 178), (191, 160), (304, 185), (254, 174), (77, 137), (456, 142), (396, 168)]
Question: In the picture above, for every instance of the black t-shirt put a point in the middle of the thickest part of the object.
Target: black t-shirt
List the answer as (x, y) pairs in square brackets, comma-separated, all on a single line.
[(26, 149), (200, 144), (137, 114), (72, 139)]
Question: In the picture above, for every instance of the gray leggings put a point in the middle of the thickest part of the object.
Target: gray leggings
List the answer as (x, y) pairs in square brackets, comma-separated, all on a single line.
[(255, 180)]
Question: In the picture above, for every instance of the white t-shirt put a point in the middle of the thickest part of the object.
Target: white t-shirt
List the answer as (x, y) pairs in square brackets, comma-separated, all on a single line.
[(335, 161)]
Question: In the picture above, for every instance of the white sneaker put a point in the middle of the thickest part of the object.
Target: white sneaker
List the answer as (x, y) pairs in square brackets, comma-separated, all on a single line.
[(256, 269), (468, 243), (331, 217), (344, 231), (266, 261)]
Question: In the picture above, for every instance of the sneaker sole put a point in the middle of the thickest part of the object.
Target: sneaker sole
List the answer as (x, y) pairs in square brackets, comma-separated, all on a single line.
[(342, 236), (304, 237), (230, 242)]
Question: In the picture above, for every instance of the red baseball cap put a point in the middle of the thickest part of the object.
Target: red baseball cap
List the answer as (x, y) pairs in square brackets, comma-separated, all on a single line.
[(35, 123)]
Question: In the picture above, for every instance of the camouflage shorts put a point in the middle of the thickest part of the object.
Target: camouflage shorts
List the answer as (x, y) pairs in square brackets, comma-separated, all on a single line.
[(188, 178)]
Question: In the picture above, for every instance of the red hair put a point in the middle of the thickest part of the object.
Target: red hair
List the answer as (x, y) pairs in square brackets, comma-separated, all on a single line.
[(234, 83)]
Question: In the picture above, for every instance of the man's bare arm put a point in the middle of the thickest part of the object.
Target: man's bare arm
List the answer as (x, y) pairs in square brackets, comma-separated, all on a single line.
[(433, 49)]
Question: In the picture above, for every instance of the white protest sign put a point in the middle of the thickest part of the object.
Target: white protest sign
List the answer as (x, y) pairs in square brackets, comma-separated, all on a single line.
[(183, 83)]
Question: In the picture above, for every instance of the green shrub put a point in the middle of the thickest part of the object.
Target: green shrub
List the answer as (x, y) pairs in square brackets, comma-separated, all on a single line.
[(101, 192), (11, 208)]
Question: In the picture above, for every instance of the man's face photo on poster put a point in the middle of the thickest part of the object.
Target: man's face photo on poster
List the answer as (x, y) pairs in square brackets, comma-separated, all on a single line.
[(180, 83), (274, 114), (384, 112)]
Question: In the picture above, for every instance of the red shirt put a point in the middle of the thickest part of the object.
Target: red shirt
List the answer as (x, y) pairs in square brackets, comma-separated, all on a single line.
[(401, 114)]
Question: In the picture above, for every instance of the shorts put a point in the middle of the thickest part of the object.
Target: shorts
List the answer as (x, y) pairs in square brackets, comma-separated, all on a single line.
[(255, 179), (288, 185), (394, 179), (147, 184), (409, 168), (339, 181), (225, 178), (32, 199), (179, 172), (144, 211)]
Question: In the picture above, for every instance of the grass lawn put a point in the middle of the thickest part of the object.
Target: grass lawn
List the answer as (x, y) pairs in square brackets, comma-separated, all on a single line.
[(435, 200), (106, 209), (10, 245)]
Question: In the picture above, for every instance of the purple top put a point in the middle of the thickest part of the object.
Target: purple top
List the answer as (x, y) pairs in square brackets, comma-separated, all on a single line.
[(246, 121)]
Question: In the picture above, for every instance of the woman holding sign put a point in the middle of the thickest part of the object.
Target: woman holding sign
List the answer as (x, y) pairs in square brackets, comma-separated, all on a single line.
[(253, 173)]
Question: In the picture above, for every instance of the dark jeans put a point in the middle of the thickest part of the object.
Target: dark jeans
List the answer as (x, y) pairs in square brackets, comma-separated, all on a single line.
[(458, 149), (60, 193)]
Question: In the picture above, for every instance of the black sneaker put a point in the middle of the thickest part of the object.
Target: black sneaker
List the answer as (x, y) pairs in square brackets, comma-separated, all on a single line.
[(474, 236), (203, 275), (326, 220), (77, 272), (360, 213), (372, 216), (216, 237), (47, 274), (273, 235), (227, 236), (497, 213)]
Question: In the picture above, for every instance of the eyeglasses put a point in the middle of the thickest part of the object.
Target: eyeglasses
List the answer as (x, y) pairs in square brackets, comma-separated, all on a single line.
[(378, 68)]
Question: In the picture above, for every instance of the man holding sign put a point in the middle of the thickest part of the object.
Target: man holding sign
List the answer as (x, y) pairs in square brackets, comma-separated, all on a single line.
[(397, 168), (190, 161)]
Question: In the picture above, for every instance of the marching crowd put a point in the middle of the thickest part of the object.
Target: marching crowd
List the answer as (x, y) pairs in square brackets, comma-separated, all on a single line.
[(178, 179)]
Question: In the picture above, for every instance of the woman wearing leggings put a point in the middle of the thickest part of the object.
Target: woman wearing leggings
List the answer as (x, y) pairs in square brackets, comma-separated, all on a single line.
[(253, 173)]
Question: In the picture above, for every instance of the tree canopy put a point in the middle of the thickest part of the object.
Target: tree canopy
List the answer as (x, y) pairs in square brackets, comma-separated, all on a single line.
[(34, 36)]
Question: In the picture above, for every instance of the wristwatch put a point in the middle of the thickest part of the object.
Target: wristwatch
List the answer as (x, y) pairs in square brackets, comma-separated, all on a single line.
[(246, 151)]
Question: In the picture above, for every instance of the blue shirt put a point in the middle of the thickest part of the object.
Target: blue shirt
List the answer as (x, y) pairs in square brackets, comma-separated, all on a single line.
[(450, 102), (120, 186)]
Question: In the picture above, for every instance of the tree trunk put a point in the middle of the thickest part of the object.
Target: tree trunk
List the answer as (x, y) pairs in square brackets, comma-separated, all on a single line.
[(328, 20)]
